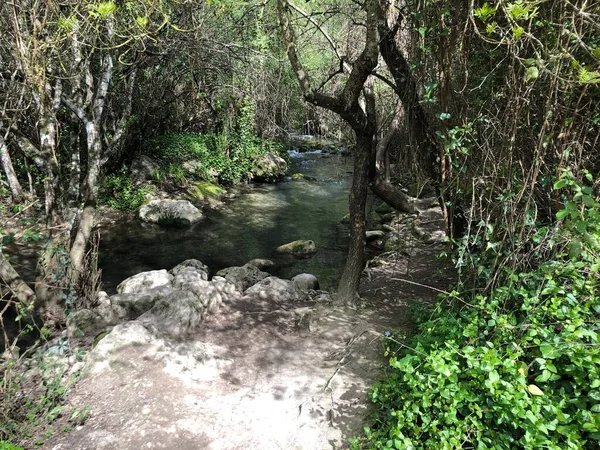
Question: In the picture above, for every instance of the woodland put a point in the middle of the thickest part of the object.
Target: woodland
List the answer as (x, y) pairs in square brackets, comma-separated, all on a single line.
[(488, 109)]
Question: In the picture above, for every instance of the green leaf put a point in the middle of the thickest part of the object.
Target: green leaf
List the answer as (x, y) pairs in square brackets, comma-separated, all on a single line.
[(548, 351), (559, 184), (531, 75)]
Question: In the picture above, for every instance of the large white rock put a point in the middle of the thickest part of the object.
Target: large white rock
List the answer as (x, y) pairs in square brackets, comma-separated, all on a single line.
[(145, 281), (110, 351), (276, 289), (269, 167), (175, 315), (170, 212), (129, 306)]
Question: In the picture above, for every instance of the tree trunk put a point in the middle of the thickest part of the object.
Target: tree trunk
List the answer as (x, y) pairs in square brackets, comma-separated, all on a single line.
[(355, 262), (11, 177), (427, 146), (12, 280), (346, 105)]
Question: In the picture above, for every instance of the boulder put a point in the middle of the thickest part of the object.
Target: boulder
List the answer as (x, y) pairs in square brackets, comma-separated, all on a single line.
[(275, 289), (212, 294), (189, 276), (85, 322), (243, 277), (109, 350), (298, 177), (170, 212), (144, 281), (261, 264), (306, 282), (190, 263), (143, 168), (129, 306), (175, 315), (206, 192), (269, 167), (298, 248)]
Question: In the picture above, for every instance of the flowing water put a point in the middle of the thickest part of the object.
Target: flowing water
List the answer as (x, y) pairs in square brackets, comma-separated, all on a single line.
[(259, 219)]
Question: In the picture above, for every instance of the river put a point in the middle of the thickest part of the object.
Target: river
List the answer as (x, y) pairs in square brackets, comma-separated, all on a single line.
[(252, 225)]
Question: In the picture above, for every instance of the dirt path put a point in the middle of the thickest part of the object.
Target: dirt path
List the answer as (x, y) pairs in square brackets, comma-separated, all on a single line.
[(293, 378)]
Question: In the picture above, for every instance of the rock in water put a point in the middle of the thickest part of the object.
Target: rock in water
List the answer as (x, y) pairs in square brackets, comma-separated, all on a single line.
[(261, 264), (170, 212), (298, 248), (269, 167)]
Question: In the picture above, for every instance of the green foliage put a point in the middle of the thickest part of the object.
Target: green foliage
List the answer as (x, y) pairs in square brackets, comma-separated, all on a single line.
[(515, 367), (34, 388), (119, 191), (226, 157), (8, 446)]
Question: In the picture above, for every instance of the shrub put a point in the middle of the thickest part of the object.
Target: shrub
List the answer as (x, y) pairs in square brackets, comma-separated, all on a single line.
[(518, 367), (227, 157), (120, 192)]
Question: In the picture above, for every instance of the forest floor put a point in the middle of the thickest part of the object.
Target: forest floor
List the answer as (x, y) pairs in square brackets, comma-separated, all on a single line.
[(267, 382)]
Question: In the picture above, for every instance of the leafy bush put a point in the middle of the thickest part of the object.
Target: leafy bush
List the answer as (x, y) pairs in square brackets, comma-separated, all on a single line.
[(120, 192), (227, 157), (518, 367)]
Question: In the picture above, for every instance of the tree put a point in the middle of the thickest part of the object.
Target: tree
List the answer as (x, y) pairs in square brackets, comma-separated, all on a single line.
[(347, 105), (355, 103), (69, 55)]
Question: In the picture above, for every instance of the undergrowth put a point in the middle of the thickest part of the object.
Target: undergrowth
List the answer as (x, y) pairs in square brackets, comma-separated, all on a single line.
[(515, 366)]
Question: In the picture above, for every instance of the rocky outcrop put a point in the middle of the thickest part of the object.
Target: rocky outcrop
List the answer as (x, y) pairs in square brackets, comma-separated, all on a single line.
[(306, 282), (176, 315), (298, 248), (243, 277), (168, 212), (188, 264), (129, 306), (144, 281), (273, 291), (269, 167)]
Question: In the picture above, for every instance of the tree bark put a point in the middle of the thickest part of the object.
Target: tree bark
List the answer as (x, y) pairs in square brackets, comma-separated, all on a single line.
[(11, 177), (13, 281), (427, 146), (398, 199), (355, 262)]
